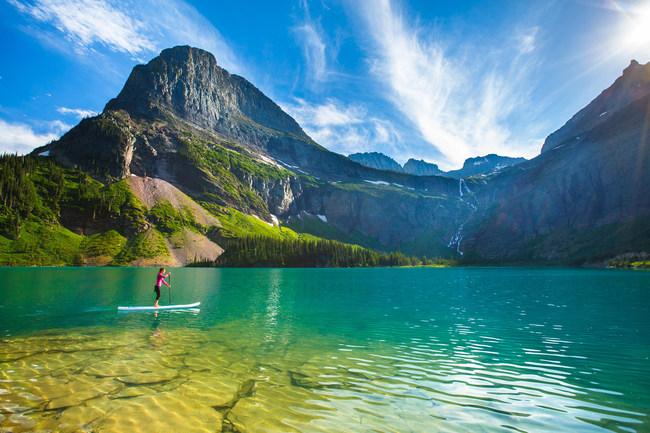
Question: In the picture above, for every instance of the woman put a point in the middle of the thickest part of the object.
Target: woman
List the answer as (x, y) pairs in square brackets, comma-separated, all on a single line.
[(160, 279)]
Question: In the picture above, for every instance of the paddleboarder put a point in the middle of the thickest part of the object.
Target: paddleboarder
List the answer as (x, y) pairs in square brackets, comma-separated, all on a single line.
[(160, 280)]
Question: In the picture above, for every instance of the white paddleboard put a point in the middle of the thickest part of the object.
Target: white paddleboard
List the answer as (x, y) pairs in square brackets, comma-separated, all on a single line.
[(162, 307)]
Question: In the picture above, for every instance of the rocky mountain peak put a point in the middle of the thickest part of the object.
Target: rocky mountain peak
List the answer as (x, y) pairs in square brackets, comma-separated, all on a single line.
[(632, 85), (376, 160), (420, 167), (187, 82)]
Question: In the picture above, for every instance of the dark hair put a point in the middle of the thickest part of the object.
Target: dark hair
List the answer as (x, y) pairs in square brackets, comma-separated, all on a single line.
[(161, 269)]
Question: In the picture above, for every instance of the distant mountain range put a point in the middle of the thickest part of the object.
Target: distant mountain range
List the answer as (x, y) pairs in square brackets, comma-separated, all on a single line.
[(478, 166), (189, 156)]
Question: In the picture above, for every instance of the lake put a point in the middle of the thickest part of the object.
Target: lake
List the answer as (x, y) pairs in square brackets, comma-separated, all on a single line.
[(315, 350)]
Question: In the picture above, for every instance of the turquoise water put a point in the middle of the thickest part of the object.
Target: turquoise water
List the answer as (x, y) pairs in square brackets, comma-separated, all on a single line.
[(460, 349)]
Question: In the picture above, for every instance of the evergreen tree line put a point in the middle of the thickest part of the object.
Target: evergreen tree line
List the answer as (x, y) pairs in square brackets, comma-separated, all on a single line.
[(36, 187), (261, 251)]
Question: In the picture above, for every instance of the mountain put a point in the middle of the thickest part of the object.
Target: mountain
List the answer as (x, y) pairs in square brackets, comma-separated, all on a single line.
[(182, 120), (420, 167), (189, 160), (586, 200), (478, 166), (484, 165), (634, 84), (376, 160)]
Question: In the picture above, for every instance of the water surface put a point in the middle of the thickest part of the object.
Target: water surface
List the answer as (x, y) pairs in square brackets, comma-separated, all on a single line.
[(312, 350)]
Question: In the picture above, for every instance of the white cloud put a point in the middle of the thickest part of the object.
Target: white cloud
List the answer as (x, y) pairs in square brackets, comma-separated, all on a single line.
[(343, 129), (86, 22), (78, 112), (459, 99), (317, 50), (21, 138), (313, 50), (136, 28)]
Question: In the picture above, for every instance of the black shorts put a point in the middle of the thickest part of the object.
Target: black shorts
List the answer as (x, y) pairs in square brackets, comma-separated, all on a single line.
[(157, 290)]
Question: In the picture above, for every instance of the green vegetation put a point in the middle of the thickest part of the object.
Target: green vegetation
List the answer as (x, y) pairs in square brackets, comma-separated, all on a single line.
[(102, 247), (226, 164), (170, 220), (260, 251), (147, 245), (630, 260), (313, 225), (40, 199), (43, 206), (236, 224), (42, 245)]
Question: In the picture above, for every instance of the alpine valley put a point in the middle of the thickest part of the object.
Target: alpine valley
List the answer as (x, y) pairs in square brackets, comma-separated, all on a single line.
[(190, 163)]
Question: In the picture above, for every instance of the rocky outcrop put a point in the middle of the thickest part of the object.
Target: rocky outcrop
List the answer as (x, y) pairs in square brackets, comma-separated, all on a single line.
[(103, 146), (278, 194)]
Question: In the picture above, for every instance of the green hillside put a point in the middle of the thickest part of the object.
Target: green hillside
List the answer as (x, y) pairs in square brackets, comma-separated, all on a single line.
[(50, 215)]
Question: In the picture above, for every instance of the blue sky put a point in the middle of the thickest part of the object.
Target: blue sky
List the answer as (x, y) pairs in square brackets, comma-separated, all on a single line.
[(442, 81)]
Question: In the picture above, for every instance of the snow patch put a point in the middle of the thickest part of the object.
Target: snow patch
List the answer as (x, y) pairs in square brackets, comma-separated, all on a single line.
[(264, 221), (265, 159), (286, 165), (376, 182), (603, 113), (275, 220), (322, 218), (44, 153)]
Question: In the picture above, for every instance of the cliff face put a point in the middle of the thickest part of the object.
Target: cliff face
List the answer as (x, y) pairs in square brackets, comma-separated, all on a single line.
[(188, 83), (183, 119)]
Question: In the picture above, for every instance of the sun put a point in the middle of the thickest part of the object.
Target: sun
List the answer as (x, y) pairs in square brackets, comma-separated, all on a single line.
[(636, 33)]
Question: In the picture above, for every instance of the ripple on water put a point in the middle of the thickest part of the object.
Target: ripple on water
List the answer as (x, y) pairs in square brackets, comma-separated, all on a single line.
[(231, 378)]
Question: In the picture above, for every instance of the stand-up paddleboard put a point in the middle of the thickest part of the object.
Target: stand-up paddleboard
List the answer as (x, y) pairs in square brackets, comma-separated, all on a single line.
[(162, 307)]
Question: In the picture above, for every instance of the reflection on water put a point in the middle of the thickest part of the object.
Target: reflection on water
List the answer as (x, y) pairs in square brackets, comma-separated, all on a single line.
[(328, 350)]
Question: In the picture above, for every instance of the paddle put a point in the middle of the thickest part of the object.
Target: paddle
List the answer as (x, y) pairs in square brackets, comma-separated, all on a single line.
[(170, 288)]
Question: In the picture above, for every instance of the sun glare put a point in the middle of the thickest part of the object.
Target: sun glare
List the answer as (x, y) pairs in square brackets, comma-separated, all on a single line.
[(637, 32)]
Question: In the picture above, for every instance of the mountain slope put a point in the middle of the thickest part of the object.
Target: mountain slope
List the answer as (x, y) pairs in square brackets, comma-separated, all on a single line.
[(585, 201), (629, 87)]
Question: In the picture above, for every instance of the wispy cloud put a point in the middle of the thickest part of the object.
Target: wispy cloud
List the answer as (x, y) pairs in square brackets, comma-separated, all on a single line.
[(137, 29), (80, 113), (22, 138), (316, 48), (342, 128), (528, 40), (313, 49), (458, 96), (89, 22)]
